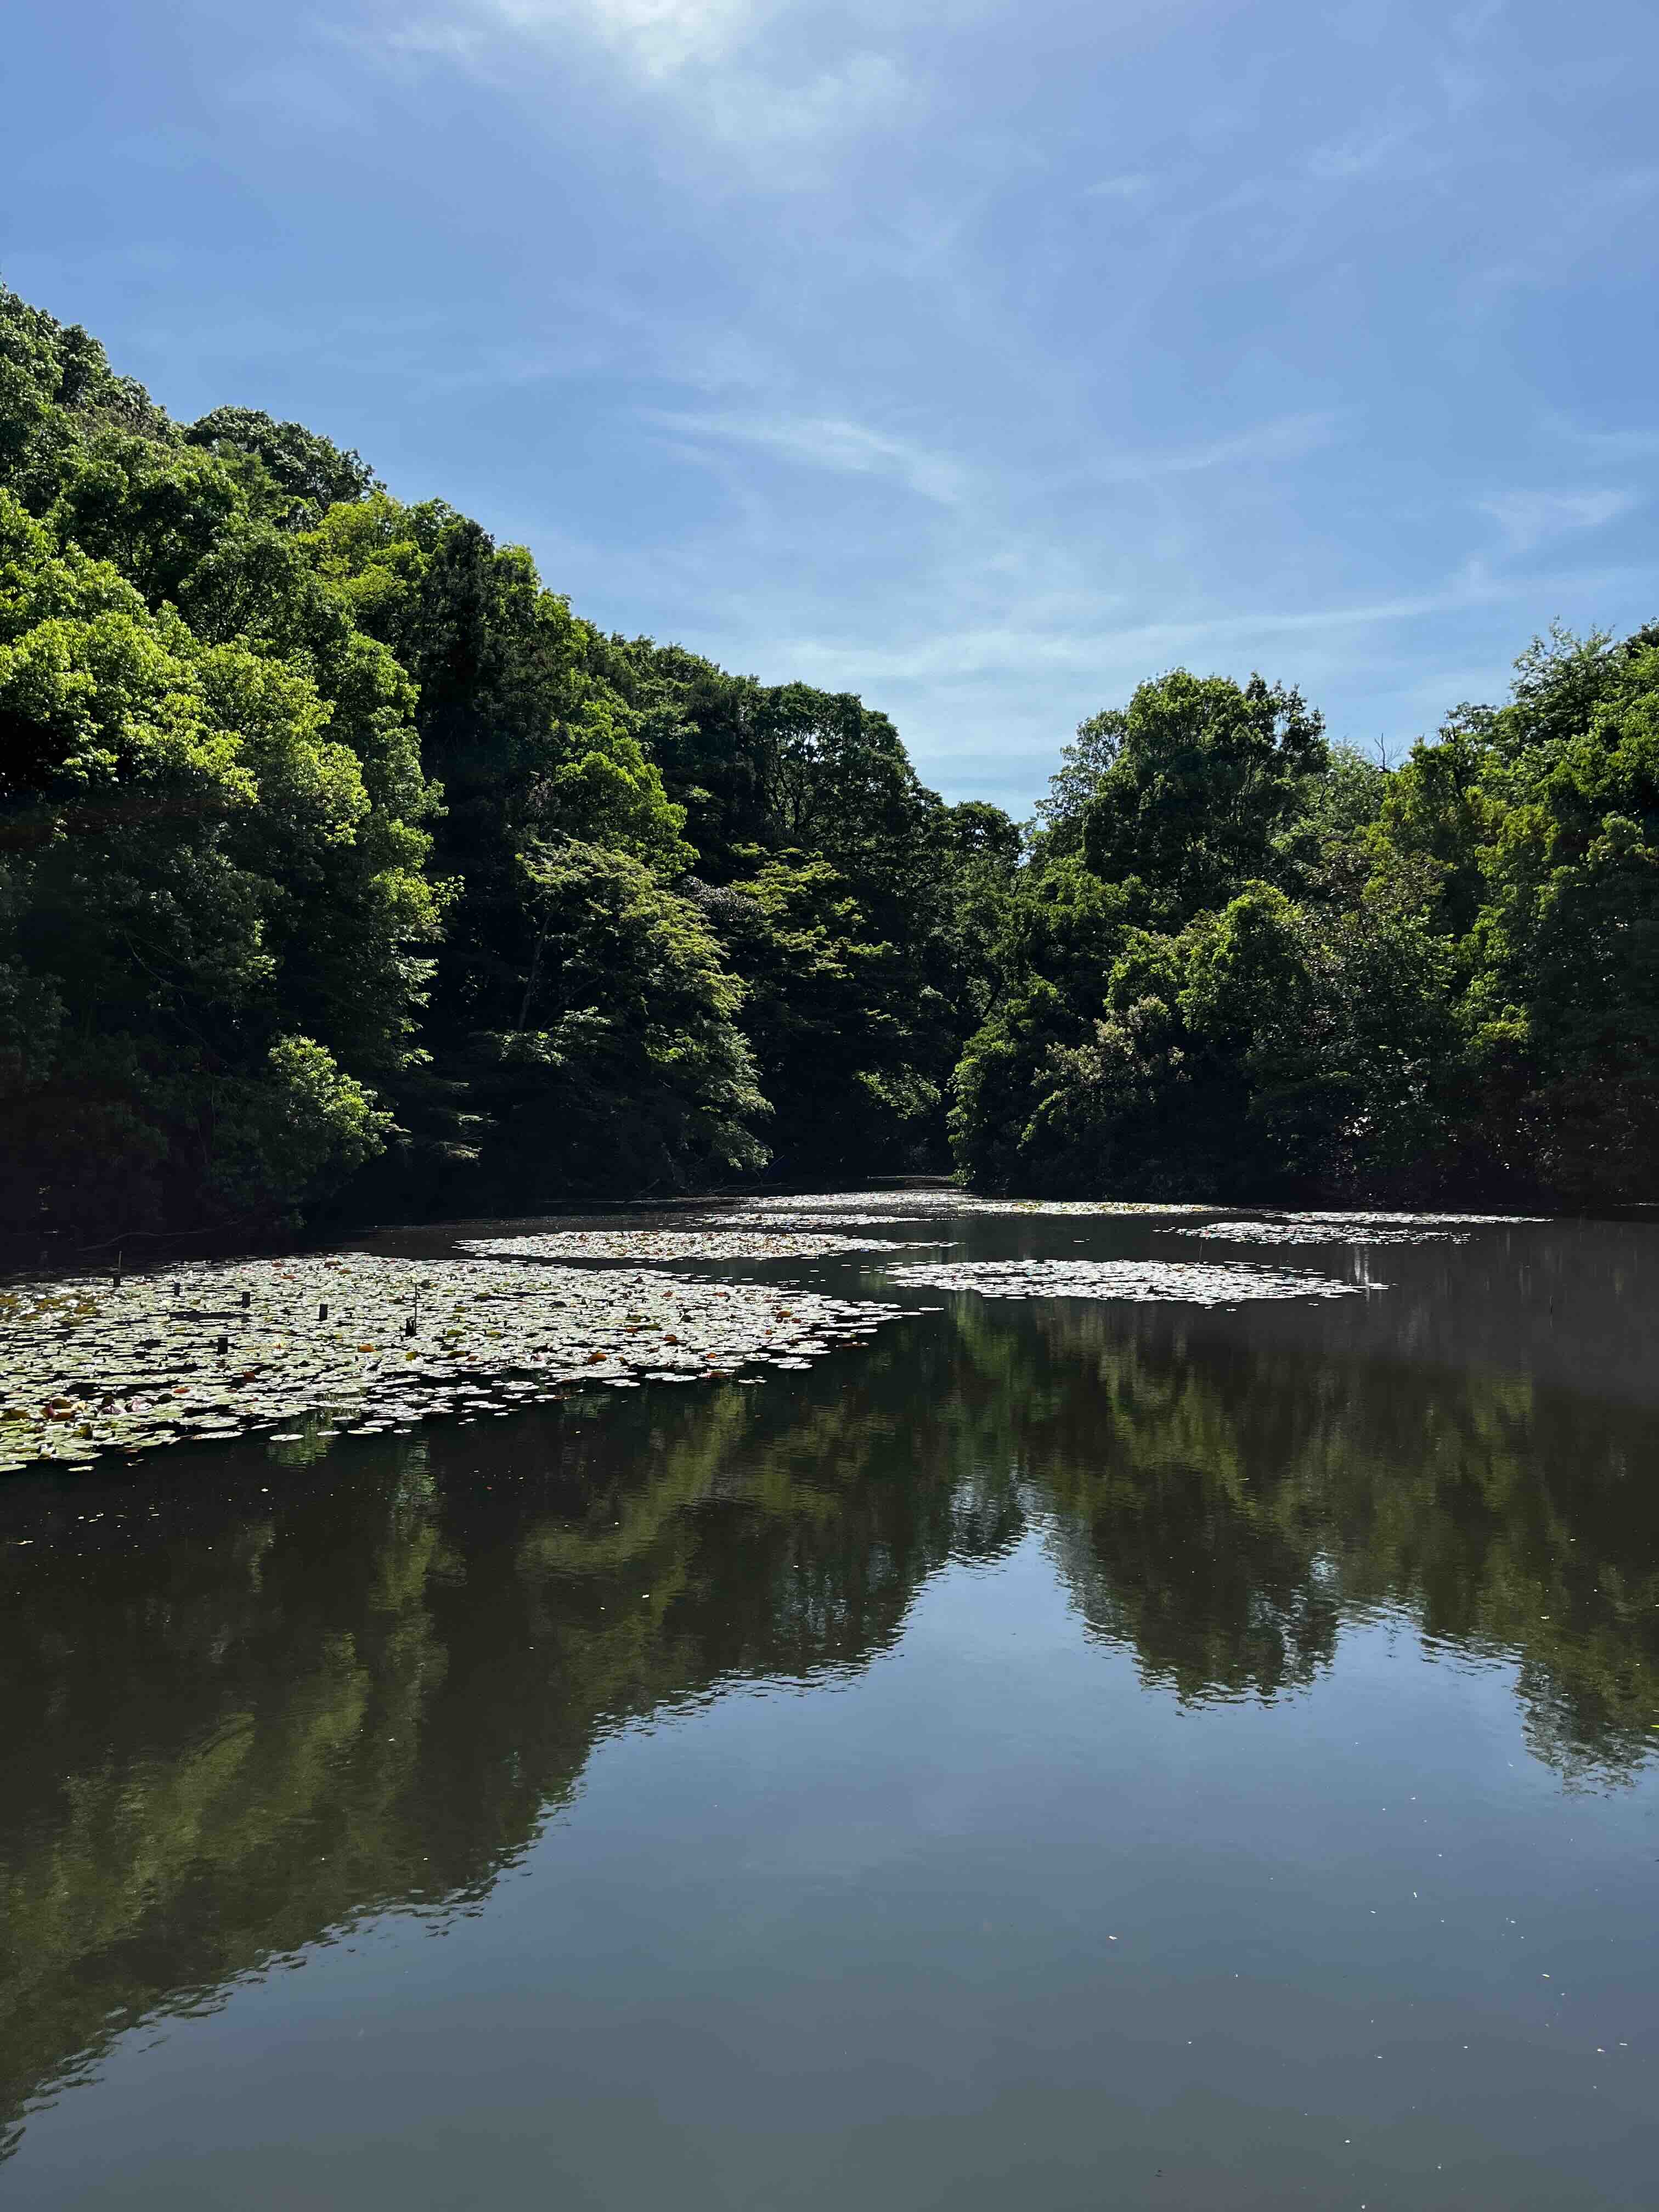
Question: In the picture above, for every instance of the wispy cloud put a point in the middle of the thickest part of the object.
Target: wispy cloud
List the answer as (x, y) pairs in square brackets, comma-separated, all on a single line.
[(1379, 148), (661, 37), (1131, 188), (1627, 445), (461, 38), (658, 37), (843, 447), (1104, 648), (1286, 438), (749, 109), (714, 59), (1529, 519)]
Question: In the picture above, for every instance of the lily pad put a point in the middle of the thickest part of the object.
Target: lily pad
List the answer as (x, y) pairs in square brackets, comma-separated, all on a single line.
[(91, 1365), (1139, 1281), (762, 1243)]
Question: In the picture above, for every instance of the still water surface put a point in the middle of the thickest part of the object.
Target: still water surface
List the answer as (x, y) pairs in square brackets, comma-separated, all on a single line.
[(1061, 1754)]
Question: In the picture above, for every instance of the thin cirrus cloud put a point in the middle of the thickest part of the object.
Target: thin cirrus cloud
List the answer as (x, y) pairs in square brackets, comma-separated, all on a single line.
[(1286, 438), (1383, 150), (825, 442), (1112, 648), (707, 50), (1530, 519), (659, 37), (1127, 188), (843, 447), (711, 60), (1630, 444)]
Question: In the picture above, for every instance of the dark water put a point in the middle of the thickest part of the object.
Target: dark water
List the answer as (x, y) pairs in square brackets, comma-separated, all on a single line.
[(1061, 1756)]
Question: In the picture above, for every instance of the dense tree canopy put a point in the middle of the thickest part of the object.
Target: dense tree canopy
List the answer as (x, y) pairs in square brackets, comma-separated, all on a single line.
[(1241, 962), (340, 860), (343, 863)]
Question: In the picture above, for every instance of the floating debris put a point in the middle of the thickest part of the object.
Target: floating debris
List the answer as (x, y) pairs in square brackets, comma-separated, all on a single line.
[(88, 1367), (669, 1244), (1203, 1283)]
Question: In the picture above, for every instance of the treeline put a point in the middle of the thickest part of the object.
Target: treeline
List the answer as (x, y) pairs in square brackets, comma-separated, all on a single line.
[(342, 866), (1241, 962), (340, 861)]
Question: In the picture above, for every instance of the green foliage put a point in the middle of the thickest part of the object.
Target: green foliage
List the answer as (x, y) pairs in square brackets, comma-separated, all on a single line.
[(308, 474), (339, 856), (1095, 748), (1201, 777), (781, 767), (300, 1129), (1239, 963), (1562, 1001), (830, 1013), (189, 861), (621, 1065), (1061, 930), (1270, 1046), (1084, 1076), (859, 911), (516, 714), (315, 810)]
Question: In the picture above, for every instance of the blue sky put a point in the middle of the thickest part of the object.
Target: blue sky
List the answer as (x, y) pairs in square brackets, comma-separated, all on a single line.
[(983, 358)]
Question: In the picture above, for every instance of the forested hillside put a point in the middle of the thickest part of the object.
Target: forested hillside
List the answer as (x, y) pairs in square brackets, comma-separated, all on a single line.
[(343, 866)]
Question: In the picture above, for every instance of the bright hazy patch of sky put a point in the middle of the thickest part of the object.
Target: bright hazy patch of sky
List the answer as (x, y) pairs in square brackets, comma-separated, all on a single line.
[(983, 358)]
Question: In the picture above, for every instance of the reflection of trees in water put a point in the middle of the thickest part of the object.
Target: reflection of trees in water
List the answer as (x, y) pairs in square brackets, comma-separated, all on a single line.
[(260, 1725), (1220, 1504)]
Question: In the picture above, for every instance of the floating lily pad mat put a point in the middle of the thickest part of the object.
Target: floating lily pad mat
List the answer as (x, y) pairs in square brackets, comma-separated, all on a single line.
[(1202, 1283), (758, 1244), (88, 1365), (905, 1203), (1319, 1229), (823, 1224), (1422, 1220)]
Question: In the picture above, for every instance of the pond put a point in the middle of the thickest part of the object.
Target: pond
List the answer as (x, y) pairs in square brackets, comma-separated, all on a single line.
[(1102, 1731)]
